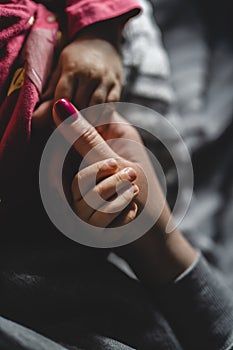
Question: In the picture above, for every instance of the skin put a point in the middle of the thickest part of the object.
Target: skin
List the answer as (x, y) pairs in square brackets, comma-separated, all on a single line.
[(88, 72), (156, 258), (108, 180)]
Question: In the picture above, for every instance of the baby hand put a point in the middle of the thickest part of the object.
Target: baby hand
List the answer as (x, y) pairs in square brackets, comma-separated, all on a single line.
[(110, 202), (89, 72)]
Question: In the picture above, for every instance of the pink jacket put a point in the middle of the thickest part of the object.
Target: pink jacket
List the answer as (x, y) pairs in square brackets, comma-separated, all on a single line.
[(28, 38)]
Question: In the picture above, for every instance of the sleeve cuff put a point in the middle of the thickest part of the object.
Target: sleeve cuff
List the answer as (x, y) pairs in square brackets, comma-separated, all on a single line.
[(84, 13), (189, 269), (199, 306)]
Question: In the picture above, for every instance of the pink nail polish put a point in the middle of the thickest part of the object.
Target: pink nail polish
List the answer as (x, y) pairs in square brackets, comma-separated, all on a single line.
[(65, 109)]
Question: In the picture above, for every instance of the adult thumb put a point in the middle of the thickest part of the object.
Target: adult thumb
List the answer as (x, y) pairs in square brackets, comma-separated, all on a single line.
[(80, 133)]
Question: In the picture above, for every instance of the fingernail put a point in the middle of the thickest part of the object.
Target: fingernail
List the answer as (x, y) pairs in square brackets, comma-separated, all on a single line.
[(134, 207), (65, 109), (134, 189), (130, 172), (111, 163)]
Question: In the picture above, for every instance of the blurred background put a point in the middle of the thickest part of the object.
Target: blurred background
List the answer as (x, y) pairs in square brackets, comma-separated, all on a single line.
[(178, 61)]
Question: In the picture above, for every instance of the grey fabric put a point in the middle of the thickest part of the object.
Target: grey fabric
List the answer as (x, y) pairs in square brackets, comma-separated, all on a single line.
[(16, 337), (197, 69), (200, 309)]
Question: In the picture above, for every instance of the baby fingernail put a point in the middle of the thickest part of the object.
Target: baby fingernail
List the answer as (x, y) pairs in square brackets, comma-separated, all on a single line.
[(134, 189), (130, 172), (111, 163), (65, 109), (134, 207)]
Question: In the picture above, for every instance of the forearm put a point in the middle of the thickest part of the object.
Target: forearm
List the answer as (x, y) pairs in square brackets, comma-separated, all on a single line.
[(158, 258), (195, 300)]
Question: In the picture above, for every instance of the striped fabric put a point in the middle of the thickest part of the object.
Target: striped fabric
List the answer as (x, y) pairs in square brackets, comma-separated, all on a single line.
[(179, 61)]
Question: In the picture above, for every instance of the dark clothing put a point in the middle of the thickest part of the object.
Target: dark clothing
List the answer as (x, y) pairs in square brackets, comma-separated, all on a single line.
[(111, 311)]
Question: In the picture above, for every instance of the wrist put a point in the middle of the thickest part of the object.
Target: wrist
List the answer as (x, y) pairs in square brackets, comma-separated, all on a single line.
[(176, 257), (159, 258)]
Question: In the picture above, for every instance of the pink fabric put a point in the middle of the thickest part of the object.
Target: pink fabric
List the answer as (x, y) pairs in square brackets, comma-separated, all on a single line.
[(30, 46), (81, 13), (33, 51), (13, 28), (85, 12)]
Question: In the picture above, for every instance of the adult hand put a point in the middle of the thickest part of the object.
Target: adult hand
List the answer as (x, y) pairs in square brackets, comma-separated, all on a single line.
[(156, 257), (121, 142)]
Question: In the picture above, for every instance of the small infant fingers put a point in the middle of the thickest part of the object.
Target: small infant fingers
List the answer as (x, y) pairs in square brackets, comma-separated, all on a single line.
[(84, 91), (111, 210), (91, 175), (101, 204), (112, 186), (65, 87), (114, 94), (99, 96), (127, 216), (99, 195)]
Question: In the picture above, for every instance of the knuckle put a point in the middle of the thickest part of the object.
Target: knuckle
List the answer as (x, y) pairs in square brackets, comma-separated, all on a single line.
[(69, 75), (98, 190), (104, 166), (100, 167), (113, 98), (120, 177), (69, 66), (65, 80), (90, 136), (90, 73), (119, 76), (98, 98)]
